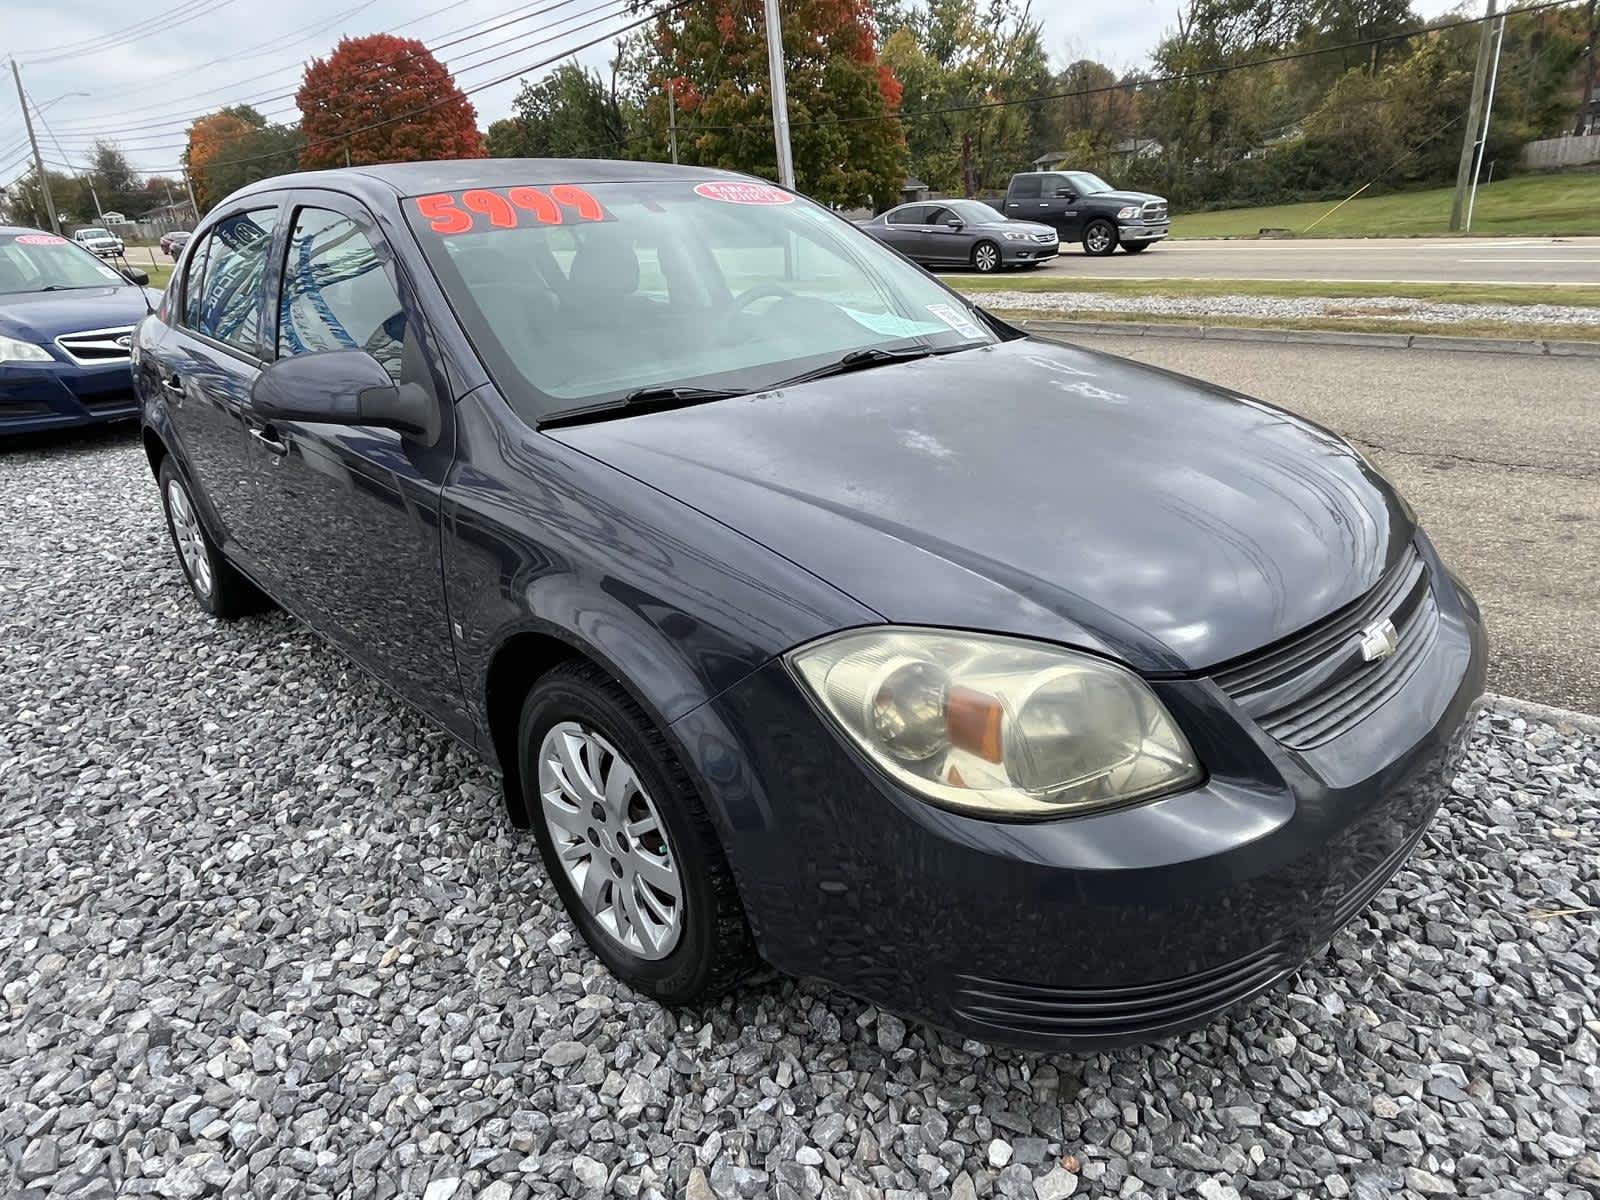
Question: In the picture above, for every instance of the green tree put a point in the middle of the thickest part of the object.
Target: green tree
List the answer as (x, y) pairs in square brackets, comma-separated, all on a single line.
[(24, 201), (567, 114), (969, 69), (848, 147)]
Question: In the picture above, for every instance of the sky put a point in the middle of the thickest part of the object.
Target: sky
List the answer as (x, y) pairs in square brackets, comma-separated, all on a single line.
[(206, 53)]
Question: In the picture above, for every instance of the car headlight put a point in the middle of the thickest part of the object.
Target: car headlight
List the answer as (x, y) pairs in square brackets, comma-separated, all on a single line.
[(15, 350), (997, 726), (1129, 213), (1012, 235)]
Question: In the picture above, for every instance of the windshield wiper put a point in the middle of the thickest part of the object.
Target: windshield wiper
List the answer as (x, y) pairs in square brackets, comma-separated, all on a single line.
[(651, 398), (69, 287), (859, 360)]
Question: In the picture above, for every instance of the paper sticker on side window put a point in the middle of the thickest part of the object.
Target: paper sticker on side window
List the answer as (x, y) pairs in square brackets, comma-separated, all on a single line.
[(733, 192), (479, 209), (956, 319)]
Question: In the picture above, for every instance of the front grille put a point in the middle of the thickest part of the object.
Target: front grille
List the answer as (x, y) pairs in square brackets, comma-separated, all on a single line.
[(1155, 210), (95, 347), (1309, 688), (1116, 1012), (1046, 238)]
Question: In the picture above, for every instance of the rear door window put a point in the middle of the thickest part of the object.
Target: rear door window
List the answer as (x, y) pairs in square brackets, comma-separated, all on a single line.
[(1025, 187)]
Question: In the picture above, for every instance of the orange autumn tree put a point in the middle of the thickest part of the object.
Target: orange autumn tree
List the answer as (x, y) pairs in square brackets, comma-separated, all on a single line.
[(210, 137), (848, 147), (380, 99)]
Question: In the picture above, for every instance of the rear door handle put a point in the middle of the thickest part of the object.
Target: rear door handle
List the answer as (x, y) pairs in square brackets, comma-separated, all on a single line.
[(268, 438), (173, 384)]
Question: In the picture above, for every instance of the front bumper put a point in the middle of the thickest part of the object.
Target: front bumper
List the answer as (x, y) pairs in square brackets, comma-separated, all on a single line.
[(1143, 231), (1029, 252), (1092, 931), (56, 395)]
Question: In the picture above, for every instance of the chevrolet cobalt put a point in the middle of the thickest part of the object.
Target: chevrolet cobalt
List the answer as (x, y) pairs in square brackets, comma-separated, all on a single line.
[(811, 614)]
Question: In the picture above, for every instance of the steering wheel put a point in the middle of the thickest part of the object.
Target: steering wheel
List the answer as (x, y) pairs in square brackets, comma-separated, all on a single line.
[(760, 292)]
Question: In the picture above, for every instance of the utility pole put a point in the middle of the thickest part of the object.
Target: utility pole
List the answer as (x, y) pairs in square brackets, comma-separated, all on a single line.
[(38, 160), (1469, 140), (1579, 121), (1488, 110), (780, 95), (672, 120), (189, 186)]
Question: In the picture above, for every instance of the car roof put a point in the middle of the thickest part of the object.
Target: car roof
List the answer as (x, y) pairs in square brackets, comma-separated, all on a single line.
[(419, 178), (8, 230)]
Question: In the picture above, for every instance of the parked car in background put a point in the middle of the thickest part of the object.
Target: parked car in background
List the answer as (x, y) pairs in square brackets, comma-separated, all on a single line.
[(101, 242), (173, 242), (963, 232), (811, 613), (1082, 207), (66, 325)]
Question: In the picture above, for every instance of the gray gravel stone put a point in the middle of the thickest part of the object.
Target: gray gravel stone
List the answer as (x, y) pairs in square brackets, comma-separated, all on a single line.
[(220, 837)]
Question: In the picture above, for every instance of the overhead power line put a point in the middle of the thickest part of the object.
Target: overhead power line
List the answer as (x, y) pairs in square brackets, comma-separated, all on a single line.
[(182, 14)]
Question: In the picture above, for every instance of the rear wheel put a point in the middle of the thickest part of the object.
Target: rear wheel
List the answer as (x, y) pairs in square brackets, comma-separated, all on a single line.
[(627, 841), (986, 258), (1135, 247), (213, 581), (1099, 238)]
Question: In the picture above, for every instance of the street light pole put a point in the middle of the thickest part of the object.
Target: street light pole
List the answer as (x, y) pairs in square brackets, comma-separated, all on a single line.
[(672, 120), (38, 159), (780, 95)]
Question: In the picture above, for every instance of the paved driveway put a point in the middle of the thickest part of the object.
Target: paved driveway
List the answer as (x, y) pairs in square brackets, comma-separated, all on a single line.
[(1550, 261), (1500, 454)]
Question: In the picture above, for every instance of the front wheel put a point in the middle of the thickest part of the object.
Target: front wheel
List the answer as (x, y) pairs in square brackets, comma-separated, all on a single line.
[(1135, 247), (1099, 238), (627, 841), (986, 258)]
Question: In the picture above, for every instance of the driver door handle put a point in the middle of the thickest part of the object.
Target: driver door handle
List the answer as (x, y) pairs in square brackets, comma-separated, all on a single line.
[(268, 438)]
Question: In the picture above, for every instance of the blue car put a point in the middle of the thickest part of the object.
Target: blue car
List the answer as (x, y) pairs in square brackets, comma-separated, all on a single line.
[(811, 614), (66, 325)]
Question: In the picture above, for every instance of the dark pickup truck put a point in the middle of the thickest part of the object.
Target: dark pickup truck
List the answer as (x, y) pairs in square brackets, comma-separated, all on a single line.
[(1082, 207)]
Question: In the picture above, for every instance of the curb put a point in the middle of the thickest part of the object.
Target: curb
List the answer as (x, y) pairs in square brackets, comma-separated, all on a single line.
[(1316, 337), (1564, 719)]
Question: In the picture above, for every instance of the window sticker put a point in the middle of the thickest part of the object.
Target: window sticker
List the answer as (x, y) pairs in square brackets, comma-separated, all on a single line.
[(478, 209), (40, 239), (891, 324), (733, 192), (956, 319)]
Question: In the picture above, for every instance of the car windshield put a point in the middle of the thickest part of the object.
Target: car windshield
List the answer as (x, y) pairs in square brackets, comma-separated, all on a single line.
[(577, 296), (973, 212), (38, 262), (93, 233), (1087, 183)]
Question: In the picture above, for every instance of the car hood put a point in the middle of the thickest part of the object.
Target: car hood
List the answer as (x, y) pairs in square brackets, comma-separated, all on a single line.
[(1120, 197), (41, 316), (1040, 490), (1028, 227)]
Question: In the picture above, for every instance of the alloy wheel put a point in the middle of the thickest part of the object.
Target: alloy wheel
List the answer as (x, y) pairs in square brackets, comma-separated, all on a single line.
[(986, 257), (610, 840), (1099, 238), (191, 540)]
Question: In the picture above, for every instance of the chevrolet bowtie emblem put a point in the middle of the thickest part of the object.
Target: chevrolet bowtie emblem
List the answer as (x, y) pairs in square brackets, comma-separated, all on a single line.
[(1379, 640)]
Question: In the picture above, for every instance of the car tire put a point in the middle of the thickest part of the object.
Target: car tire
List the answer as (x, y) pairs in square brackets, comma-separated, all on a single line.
[(1135, 247), (986, 259), (213, 581), (1099, 237), (616, 863)]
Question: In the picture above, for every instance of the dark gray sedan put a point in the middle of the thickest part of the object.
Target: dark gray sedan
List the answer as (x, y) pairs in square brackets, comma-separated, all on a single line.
[(963, 232)]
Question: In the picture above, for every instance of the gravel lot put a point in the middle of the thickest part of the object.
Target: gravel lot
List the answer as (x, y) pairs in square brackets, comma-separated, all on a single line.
[(1377, 308), (262, 932)]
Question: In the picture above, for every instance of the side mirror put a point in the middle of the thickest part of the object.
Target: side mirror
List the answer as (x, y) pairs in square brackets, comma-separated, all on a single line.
[(1066, 194), (956, 223), (344, 387), (134, 275)]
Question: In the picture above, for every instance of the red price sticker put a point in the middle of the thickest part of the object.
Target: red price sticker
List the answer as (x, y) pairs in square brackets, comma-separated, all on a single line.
[(478, 209), (744, 193), (40, 239)]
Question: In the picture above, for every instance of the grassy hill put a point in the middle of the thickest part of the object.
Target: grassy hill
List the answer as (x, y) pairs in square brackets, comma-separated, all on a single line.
[(1524, 204)]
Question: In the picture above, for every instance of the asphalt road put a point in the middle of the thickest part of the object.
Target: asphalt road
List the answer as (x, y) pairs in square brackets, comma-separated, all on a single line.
[(1498, 453), (1554, 261)]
